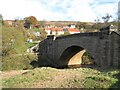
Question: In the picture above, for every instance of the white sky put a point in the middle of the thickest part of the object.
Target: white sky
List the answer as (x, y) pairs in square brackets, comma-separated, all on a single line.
[(76, 10)]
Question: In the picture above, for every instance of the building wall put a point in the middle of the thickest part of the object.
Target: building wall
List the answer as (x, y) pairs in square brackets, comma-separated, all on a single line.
[(73, 32), (48, 32)]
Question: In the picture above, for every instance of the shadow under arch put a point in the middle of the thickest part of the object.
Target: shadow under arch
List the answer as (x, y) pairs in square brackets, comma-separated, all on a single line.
[(72, 57)]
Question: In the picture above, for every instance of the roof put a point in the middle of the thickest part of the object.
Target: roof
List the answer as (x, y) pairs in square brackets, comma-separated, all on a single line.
[(61, 29), (47, 28), (57, 29), (73, 30)]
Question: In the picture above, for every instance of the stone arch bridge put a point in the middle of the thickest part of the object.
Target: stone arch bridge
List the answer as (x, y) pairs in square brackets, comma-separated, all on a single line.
[(104, 47)]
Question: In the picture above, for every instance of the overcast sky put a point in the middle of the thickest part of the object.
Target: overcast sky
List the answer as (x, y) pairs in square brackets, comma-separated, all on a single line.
[(67, 10)]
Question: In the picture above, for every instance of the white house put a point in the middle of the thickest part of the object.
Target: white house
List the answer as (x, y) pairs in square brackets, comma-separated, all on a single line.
[(54, 31), (37, 34), (48, 31), (72, 26), (73, 30), (113, 28)]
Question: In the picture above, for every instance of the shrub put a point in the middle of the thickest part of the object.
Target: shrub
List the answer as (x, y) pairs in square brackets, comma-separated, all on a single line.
[(12, 41), (17, 62), (87, 59)]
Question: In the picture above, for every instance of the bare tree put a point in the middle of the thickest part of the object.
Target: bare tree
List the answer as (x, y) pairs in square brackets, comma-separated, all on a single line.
[(106, 18)]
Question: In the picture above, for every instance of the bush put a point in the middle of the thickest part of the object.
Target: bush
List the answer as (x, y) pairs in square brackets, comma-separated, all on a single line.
[(87, 59), (14, 49), (17, 62), (30, 34), (12, 41)]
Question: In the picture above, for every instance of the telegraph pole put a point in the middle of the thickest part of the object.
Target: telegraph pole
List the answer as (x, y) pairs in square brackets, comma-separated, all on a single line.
[(119, 16)]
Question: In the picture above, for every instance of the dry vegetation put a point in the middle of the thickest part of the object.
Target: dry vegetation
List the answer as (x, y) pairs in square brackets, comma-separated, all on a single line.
[(47, 77)]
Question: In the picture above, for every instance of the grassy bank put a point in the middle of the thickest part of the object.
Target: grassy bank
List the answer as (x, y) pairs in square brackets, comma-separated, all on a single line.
[(47, 77)]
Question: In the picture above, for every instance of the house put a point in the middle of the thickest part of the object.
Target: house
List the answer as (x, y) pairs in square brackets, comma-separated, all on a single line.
[(37, 34), (73, 30), (71, 25), (60, 31), (50, 26), (57, 31), (113, 27), (54, 31), (48, 31), (8, 22)]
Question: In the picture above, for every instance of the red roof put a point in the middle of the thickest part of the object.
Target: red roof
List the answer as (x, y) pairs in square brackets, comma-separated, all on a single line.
[(73, 30), (47, 28), (61, 29)]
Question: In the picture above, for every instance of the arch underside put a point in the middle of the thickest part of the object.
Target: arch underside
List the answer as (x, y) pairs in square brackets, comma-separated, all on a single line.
[(72, 56)]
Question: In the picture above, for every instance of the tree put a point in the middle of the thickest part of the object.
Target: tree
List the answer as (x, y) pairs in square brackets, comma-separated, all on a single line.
[(97, 20), (31, 20), (27, 24), (99, 25), (106, 18)]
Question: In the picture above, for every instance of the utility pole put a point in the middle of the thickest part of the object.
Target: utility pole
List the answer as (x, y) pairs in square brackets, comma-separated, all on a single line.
[(119, 16)]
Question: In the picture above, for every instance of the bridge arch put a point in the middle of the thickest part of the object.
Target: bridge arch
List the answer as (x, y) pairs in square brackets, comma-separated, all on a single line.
[(72, 56)]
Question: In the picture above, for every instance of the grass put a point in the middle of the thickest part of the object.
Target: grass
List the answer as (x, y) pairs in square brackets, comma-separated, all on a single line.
[(92, 78), (27, 79), (37, 29), (18, 62), (47, 77), (13, 41), (29, 45), (14, 48)]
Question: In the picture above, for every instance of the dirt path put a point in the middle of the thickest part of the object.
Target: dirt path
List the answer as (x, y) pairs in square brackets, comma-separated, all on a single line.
[(8, 74)]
